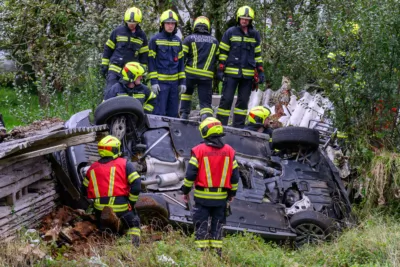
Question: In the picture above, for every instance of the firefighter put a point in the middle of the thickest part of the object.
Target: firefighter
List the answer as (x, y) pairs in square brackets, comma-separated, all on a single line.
[(130, 85), (166, 66), (239, 60), (127, 43), (214, 172), (200, 51), (113, 182), (258, 120)]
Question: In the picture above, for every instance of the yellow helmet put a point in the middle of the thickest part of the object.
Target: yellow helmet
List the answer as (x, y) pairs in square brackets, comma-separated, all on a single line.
[(245, 12), (131, 71), (109, 146), (168, 16), (257, 115), (202, 20), (133, 14), (211, 127)]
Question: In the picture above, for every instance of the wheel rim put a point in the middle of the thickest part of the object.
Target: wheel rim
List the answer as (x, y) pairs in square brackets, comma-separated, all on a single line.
[(309, 233), (118, 127)]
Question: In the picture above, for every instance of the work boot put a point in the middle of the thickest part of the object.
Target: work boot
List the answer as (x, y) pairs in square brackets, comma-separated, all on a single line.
[(136, 240), (109, 219), (185, 116)]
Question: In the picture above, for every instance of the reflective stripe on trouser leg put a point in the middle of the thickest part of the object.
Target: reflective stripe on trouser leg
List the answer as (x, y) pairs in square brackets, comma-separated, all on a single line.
[(244, 91), (205, 94), (228, 93), (173, 100), (186, 105), (200, 221), (217, 220)]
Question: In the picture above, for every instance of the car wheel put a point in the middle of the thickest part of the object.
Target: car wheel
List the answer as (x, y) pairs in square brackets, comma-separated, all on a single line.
[(292, 137), (117, 106), (152, 210), (311, 227)]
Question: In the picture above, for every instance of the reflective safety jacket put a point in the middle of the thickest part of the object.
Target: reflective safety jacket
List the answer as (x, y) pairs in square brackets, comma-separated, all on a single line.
[(214, 173), (200, 51), (140, 92), (125, 46), (240, 52), (166, 59), (112, 182)]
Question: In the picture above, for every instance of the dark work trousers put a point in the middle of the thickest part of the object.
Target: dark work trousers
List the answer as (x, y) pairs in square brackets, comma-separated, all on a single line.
[(206, 237), (228, 92), (129, 218), (112, 78), (167, 99), (204, 90)]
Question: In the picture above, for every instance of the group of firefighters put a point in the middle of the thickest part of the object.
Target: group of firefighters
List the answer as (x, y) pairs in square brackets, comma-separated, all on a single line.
[(176, 68)]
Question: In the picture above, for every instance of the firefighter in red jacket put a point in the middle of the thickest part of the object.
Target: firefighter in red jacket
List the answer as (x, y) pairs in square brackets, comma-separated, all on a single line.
[(112, 181), (214, 172)]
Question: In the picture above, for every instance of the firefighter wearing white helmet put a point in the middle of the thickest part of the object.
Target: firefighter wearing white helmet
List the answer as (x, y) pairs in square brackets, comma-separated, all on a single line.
[(200, 51), (166, 66), (113, 182), (127, 43), (239, 60)]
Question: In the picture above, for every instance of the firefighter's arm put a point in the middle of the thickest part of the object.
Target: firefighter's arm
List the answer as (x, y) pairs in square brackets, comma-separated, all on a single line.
[(134, 182), (257, 52), (144, 52), (109, 48), (153, 74), (186, 48), (150, 102), (84, 186), (181, 67), (111, 93), (191, 174), (224, 47), (234, 179)]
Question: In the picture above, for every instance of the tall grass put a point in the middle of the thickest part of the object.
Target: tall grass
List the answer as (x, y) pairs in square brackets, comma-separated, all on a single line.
[(373, 243)]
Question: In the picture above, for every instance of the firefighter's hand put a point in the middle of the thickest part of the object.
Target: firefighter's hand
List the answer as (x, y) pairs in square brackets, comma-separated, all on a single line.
[(261, 77), (104, 70), (155, 88), (220, 72), (230, 199), (186, 198), (182, 89)]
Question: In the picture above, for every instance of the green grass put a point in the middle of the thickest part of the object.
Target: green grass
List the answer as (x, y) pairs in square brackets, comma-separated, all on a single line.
[(375, 242)]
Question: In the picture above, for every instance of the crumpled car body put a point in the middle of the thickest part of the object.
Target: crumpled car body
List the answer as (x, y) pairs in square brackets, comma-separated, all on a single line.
[(294, 193)]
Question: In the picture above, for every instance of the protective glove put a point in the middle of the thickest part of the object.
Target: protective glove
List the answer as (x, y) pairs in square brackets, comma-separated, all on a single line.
[(220, 72), (104, 70), (182, 89), (155, 88), (261, 76)]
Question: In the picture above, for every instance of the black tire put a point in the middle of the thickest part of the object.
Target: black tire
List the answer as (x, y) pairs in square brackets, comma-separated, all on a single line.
[(152, 210), (292, 137), (311, 227), (119, 105)]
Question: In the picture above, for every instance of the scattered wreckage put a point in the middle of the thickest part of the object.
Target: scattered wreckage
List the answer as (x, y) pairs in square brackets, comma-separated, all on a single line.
[(289, 189)]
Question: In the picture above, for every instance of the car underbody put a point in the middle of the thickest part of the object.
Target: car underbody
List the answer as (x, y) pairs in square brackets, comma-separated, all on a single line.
[(290, 191)]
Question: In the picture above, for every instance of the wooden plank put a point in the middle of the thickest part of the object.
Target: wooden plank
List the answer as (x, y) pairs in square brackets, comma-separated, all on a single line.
[(33, 154), (13, 188), (14, 175), (37, 202), (18, 166)]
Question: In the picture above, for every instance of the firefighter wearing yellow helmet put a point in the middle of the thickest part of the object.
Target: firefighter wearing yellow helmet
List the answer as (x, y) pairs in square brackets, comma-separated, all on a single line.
[(113, 182), (130, 85), (200, 51), (239, 62), (127, 43), (213, 171), (258, 121), (166, 66)]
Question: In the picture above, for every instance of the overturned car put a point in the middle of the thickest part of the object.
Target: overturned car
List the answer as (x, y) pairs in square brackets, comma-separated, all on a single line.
[(289, 189)]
